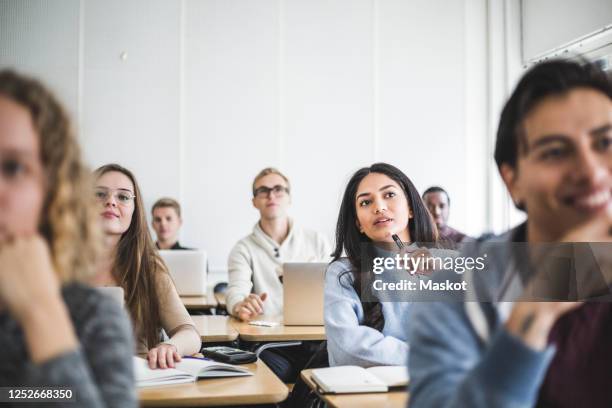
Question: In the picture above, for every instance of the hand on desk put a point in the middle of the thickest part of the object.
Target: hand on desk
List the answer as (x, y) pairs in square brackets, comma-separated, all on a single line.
[(250, 307), (163, 356)]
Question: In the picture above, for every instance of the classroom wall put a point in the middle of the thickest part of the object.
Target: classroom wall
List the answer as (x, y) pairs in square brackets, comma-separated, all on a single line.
[(42, 38), (196, 96)]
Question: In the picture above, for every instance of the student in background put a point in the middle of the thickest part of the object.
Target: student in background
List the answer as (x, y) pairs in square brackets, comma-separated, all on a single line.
[(54, 330), (378, 201), (167, 221), (255, 263), (438, 203), (554, 153), (133, 263)]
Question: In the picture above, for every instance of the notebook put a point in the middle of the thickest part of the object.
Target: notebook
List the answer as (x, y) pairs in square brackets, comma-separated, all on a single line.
[(354, 379), (187, 370)]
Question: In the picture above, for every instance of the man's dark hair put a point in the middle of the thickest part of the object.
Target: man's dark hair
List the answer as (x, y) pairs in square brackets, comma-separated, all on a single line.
[(551, 78), (436, 189)]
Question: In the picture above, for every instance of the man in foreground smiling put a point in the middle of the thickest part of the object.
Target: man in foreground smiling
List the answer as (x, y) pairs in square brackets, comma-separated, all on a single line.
[(554, 153)]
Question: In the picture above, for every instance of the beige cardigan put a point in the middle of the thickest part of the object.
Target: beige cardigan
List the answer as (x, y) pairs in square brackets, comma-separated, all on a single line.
[(175, 321), (255, 264)]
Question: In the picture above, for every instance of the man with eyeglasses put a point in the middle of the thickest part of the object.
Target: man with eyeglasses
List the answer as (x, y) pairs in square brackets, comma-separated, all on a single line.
[(255, 262)]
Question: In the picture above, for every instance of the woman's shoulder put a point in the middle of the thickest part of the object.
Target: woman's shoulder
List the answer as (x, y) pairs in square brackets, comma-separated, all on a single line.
[(82, 295), (340, 268), (98, 319), (86, 303), (339, 265)]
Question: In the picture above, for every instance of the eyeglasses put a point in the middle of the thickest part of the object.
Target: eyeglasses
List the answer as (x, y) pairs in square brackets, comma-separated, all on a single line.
[(264, 191), (121, 196)]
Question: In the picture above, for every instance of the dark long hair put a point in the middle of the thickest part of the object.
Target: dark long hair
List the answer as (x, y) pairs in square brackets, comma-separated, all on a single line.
[(349, 239), (137, 266)]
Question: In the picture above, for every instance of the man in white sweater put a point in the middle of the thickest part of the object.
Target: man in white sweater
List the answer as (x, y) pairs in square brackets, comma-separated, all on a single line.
[(255, 266), (255, 262)]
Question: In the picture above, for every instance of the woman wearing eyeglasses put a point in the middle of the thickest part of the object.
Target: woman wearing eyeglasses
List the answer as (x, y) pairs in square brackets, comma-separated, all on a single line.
[(133, 263)]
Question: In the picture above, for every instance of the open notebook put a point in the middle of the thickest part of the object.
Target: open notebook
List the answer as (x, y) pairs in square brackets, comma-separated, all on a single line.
[(188, 370), (354, 379)]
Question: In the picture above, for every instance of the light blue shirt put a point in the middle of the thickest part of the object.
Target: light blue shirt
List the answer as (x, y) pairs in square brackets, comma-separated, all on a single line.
[(349, 342)]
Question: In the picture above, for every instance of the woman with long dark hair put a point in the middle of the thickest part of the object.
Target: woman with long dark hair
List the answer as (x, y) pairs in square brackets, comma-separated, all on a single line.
[(379, 201), (133, 263)]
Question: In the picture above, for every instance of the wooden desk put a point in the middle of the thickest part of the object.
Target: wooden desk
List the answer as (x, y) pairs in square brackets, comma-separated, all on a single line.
[(391, 399), (278, 333), (262, 388), (215, 329)]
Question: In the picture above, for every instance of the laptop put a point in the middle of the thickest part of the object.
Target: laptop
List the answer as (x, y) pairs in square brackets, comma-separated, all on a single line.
[(188, 270), (303, 284), (115, 292)]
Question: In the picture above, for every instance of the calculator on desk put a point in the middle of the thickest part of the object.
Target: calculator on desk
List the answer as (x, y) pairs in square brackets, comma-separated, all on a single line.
[(229, 355)]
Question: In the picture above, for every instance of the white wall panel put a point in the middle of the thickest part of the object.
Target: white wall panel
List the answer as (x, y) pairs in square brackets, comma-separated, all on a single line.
[(478, 159), (422, 95), (131, 104), (41, 38), (231, 117), (327, 90)]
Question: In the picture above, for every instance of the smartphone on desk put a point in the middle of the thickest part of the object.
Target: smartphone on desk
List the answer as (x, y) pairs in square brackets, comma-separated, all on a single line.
[(229, 355)]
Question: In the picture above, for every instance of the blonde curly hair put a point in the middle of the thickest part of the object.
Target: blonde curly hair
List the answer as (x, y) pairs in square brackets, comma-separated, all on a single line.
[(69, 222)]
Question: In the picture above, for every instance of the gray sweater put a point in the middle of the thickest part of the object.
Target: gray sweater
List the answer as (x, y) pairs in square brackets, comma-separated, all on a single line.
[(461, 353), (99, 372)]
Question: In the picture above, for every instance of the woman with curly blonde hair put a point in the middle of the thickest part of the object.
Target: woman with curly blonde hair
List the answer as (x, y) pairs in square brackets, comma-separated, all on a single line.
[(54, 330)]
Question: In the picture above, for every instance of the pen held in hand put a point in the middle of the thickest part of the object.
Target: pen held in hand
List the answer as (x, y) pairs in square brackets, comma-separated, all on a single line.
[(398, 241), (401, 247)]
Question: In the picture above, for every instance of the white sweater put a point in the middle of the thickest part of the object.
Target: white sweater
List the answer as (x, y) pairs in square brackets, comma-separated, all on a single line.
[(255, 264)]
